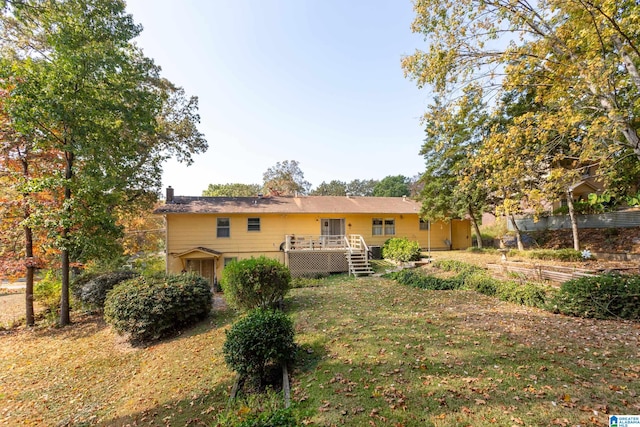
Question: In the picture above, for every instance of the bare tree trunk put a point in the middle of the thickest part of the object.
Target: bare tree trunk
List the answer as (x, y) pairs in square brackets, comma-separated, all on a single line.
[(64, 261), (29, 263), (517, 231), (28, 251), (574, 223), (476, 228)]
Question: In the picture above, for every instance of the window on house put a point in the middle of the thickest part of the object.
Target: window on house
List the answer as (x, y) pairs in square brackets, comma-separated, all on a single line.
[(389, 226), (224, 227), (424, 224), (228, 260), (253, 224), (376, 229)]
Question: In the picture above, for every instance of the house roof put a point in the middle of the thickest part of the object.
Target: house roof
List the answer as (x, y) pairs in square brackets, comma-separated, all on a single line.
[(277, 204)]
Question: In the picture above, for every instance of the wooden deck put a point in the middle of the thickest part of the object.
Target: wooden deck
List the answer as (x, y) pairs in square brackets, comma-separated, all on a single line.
[(308, 255)]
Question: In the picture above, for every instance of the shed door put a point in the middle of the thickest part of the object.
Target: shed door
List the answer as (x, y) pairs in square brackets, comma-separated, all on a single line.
[(332, 226), (460, 234)]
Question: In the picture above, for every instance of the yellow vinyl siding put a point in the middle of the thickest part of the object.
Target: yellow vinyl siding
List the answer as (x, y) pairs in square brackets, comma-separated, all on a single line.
[(461, 234), (189, 231)]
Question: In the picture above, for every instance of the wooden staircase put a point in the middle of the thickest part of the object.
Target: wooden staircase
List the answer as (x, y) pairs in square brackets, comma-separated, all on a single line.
[(358, 256)]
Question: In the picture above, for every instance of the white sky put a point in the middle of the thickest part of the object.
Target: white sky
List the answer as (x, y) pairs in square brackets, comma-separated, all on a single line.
[(317, 81)]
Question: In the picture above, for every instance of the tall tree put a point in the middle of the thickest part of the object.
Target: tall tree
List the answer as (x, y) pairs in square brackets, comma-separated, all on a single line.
[(392, 186), (76, 79), (454, 135), (586, 54), (332, 188), (232, 190), (364, 187), (285, 179), (22, 166)]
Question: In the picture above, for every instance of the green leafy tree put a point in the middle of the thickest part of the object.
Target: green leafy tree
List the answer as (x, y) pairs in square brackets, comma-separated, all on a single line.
[(232, 190), (75, 78), (285, 179), (362, 187), (583, 56), (333, 188), (454, 135), (392, 186)]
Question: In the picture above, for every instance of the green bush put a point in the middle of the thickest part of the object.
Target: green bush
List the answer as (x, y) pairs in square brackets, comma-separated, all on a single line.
[(555, 254), (481, 282), (47, 292), (277, 418), (462, 268), (150, 264), (261, 339), (256, 282), (528, 294), (93, 292), (150, 307), (600, 297), (419, 280), (401, 250), (261, 413)]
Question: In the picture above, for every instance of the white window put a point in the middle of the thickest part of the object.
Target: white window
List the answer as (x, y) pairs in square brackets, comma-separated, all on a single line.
[(224, 227), (424, 224), (253, 224), (389, 227), (376, 229)]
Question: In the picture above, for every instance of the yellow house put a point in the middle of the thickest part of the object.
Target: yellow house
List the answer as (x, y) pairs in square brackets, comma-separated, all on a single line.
[(310, 234)]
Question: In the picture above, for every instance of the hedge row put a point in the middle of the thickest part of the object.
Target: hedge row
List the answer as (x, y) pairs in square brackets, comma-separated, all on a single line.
[(607, 296)]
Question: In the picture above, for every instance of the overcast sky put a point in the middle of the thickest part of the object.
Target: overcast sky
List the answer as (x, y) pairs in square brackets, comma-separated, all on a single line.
[(317, 81)]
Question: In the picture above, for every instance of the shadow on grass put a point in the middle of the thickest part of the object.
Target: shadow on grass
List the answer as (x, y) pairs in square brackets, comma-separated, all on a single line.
[(197, 410)]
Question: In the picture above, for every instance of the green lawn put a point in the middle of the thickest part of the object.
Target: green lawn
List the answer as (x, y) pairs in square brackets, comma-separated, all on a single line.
[(373, 353)]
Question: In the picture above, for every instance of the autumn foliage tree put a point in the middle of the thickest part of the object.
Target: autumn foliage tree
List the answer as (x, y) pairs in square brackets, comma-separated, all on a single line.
[(75, 80), (578, 59), (285, 179)]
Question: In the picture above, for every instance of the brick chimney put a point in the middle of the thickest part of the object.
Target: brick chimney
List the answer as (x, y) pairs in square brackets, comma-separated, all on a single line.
[(169, 198)]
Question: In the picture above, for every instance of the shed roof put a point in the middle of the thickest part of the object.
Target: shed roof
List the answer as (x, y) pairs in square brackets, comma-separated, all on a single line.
[(278, 204)]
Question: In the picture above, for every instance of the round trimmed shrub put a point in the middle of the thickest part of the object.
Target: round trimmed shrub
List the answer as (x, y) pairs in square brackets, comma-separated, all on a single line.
[(261, 339), (148, 308), (401, 249), (605, 296), (93, 292), (255, 282)]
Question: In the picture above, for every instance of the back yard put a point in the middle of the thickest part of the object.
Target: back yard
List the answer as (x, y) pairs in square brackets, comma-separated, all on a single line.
[(373, 353)]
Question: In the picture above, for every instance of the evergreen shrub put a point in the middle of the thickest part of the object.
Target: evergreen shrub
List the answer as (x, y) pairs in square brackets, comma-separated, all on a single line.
[(606, 296), (151, 307), (93, 292), (261, 339), (255, 282)]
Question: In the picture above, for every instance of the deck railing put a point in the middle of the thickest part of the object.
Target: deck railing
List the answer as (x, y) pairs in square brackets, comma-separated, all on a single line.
[(356, 243), (299, 242)]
